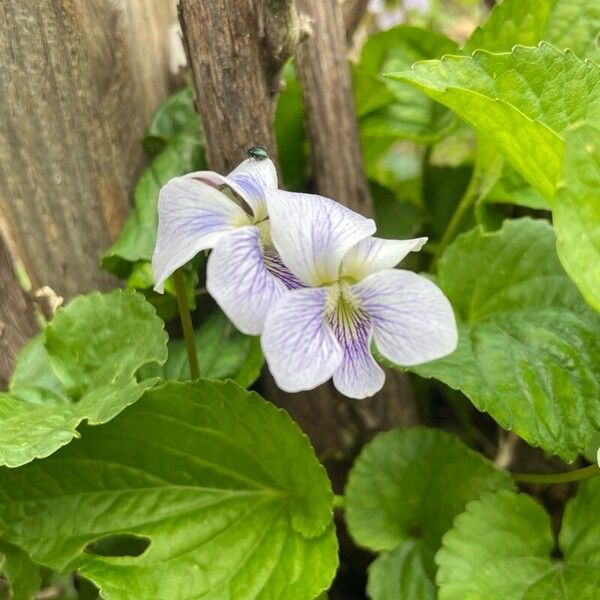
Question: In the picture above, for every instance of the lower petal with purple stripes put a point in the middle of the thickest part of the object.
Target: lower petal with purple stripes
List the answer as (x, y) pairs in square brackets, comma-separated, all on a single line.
[(358, 376)]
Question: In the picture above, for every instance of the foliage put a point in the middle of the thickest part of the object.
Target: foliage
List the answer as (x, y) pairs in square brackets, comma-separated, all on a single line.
[(123, 478)]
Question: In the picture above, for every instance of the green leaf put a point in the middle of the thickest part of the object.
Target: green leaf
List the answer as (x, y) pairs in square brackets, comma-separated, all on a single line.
[(290, 132), (511, 188), (223, 353), (577, 212), (572, 24), (85, 369), (175, 136), (501, 547), (22, 574), (529, 347), (224, 486), (403, 573), (522, 102), (403, 492), (406, 114)]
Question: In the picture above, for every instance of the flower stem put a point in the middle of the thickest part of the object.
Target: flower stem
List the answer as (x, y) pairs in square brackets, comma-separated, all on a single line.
[(468, 199), (550, 478), (186, 325)]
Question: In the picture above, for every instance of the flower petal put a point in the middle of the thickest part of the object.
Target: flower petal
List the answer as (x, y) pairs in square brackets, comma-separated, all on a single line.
[(249, 180), (192, 216), (376, 254), (359, 376), (244, 281), (298, 344), (313, 233), (413, 320)]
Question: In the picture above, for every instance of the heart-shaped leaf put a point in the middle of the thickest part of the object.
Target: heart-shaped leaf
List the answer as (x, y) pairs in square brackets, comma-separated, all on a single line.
[(82, 367), (501, 548), (220, 492), (403, 492), (523, 102), (529, 346)]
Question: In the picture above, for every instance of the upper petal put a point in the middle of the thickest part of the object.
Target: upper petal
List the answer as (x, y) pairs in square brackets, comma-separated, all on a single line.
[(240, 278), (313, 233), (376, 254), (298, 344), (412, 318), (191, 217), (249, 180)]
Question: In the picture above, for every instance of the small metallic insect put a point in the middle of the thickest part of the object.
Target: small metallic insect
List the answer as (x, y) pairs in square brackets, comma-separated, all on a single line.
[(257, 152)]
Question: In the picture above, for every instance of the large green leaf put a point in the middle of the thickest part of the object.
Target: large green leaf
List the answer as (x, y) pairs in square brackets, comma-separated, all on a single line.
[(83, 367), (393, 110), (223, 353), (174, 137), (224, 487), (522, 102), (573, 24), (403, 492), (577, 212), (501, 548), (529, 346), (22, 574)]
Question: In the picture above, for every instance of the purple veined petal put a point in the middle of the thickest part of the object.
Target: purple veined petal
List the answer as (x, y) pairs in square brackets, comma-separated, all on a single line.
[(249, 180), (244, 281), (192, 216), (412, 318), (358, 376), (298, 344), (313, 234), (376, 254)]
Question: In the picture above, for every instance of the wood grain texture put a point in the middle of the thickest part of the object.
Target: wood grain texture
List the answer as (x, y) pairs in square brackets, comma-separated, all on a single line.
[(338, 426), (235, 49), (79, 80), (17, 318), (353, 12), (325, 77), (232, 62)]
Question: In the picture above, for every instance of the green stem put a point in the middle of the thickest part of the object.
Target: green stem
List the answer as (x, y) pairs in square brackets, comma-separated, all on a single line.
[(550, 478), (339, 501), (186, 325), (468, 199)]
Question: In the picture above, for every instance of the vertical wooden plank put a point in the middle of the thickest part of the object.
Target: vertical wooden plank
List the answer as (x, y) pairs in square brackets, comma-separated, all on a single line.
[(17, 319), (235, 49), (79, 80)]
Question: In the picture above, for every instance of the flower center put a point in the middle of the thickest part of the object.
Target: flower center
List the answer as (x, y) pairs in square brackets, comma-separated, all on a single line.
[(344, 313)]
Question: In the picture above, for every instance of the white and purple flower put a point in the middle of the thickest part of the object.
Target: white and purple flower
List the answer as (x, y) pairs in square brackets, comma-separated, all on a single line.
[(228, 214), (306, 273), (353, 295)]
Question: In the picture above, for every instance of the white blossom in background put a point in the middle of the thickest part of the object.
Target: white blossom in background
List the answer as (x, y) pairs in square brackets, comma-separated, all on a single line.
[(353, 295), (206, 210), (386, 17)]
